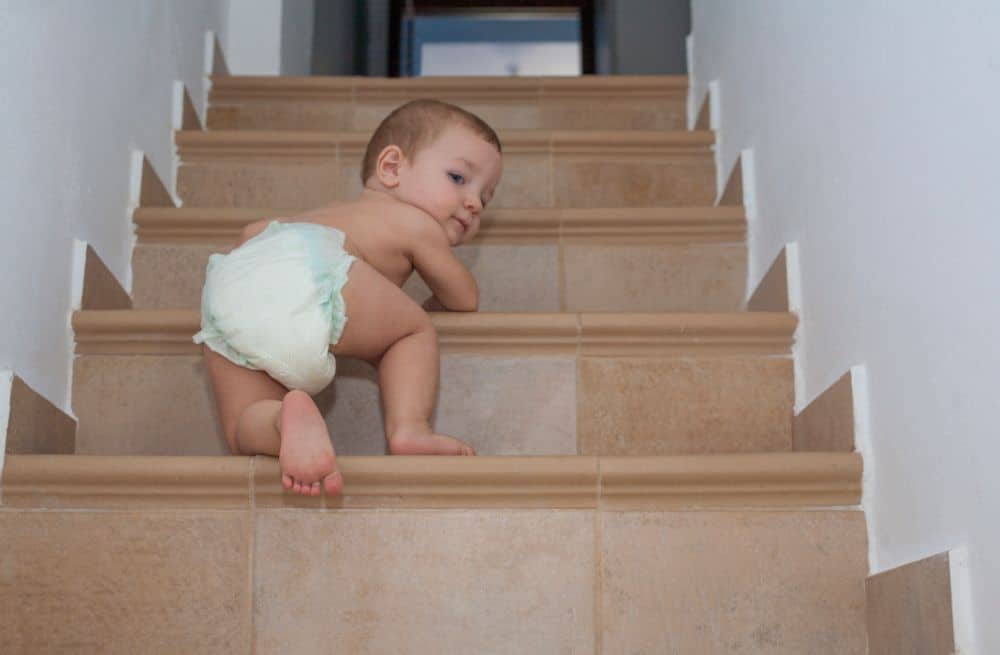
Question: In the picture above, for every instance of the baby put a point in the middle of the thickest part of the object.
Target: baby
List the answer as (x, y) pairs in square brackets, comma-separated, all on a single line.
[(299, 291)]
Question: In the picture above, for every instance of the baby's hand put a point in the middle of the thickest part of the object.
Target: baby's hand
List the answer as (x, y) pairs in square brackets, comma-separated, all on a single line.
[(432, 304)]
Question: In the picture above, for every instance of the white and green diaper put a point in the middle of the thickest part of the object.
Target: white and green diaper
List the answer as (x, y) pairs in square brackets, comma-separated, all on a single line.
[(274, 304)]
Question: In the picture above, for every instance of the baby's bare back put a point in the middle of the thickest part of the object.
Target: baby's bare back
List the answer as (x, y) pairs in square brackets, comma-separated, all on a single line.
[(374, 233)]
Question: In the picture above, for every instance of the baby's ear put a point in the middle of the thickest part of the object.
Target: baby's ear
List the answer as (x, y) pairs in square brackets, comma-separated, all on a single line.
[(387, 166)]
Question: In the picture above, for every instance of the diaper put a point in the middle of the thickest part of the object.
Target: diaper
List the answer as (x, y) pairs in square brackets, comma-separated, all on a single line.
[(274, 304)]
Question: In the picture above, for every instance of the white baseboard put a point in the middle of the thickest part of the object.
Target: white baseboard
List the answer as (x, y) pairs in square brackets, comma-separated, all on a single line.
[(176, 123), (861, 404), (961, 601), (78, 272), (715, 124), (6, 385)]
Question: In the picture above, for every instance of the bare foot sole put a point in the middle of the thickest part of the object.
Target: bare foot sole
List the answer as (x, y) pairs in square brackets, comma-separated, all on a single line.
[(306, 455), (415, 442)]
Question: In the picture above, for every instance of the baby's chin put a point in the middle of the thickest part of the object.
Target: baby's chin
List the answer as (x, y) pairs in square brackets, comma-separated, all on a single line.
[(457, 234)]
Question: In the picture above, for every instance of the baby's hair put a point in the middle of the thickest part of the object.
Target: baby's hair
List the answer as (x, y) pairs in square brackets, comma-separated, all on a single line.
[(415, 125)]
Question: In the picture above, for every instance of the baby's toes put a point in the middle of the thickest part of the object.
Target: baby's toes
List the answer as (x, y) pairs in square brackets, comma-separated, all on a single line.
[(314, 489), (333, 483), (286, 481)]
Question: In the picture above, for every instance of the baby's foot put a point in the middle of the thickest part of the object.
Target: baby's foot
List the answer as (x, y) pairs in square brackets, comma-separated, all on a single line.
[(306, 456), (421, 440)]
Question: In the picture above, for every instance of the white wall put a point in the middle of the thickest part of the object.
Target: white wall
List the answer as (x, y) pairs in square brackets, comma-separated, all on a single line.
[(270, 37), (876, 138), (82, 84)]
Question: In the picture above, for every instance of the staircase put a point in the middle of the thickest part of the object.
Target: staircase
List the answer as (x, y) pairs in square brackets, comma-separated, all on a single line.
[(637, 489)]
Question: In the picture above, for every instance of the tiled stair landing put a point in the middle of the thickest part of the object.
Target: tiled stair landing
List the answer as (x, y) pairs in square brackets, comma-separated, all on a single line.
[(524, 555)]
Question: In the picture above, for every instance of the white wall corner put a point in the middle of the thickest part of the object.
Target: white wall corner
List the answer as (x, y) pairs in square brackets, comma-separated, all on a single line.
[(208, 67), (961, 601), (749, 179), (793, 273), (134, 199), (78, 271), (692, 101), (715, 124), (6, 385), (863, 445), (176, 124)]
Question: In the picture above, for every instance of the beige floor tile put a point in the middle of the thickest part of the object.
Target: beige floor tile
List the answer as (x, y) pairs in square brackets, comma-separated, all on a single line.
[(734, 583), (522, 278), (511, 278), (500, 405), (453, 581), (296, 186), (350, 179), (684, 406), (510, 405), (657, 278), (512, 116), (306, 116), (614, 116), (169, 276), (526, 182), (125, 582), (144, 405), (684, 181)]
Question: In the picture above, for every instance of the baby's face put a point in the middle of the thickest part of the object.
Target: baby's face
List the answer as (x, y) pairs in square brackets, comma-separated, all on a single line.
[(453, 179)]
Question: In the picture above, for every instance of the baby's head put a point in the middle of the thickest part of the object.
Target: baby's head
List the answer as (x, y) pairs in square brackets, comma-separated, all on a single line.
[(437, 157)]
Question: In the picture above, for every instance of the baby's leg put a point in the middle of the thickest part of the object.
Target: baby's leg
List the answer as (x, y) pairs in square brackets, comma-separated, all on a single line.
[(260, 416), (385, 326)]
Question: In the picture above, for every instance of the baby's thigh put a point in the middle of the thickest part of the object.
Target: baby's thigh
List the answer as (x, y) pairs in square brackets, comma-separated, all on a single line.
[(378, 314)]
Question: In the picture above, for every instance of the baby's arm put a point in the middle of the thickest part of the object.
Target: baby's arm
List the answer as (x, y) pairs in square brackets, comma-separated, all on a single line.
[(447, 277), (253, 229)]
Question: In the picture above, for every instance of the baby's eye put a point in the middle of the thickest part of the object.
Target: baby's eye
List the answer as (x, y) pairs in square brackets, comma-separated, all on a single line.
[(456, 178)]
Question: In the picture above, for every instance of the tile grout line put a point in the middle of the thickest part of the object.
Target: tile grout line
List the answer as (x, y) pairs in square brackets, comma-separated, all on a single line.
[(598, 569), (253, 555), (561, 264)]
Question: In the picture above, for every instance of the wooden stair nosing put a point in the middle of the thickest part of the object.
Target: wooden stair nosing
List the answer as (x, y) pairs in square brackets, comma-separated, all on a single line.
[(690, 482), (641, 225), (169, 332), (232, 89), (228, 145)]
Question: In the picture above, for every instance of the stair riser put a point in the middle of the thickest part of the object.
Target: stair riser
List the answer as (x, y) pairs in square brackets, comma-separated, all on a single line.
[(661, 114), (522, 278), (503, 405), (529, 181), (579, 581)]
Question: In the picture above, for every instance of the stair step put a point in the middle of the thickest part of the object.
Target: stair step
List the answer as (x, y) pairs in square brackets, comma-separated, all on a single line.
[(542, 168), (359, 104), (537, 260), (511, 384), (520, 555)]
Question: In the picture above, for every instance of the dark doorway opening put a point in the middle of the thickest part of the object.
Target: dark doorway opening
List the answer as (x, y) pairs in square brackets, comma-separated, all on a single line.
[(501, 17)]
